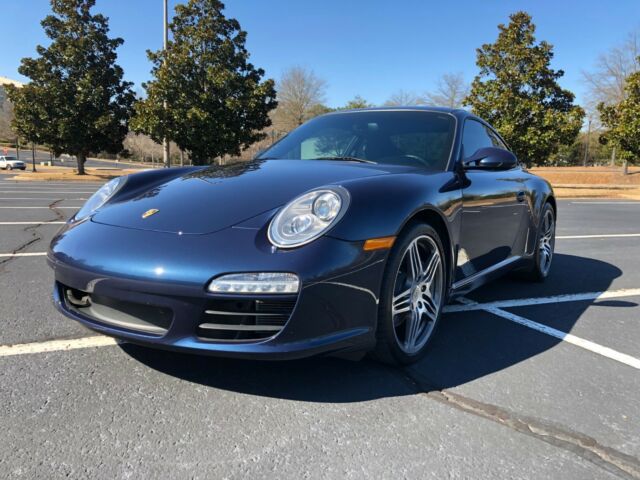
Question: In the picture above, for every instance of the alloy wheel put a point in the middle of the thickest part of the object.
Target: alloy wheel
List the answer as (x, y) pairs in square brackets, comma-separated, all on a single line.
[(418, 294), (547, 240)]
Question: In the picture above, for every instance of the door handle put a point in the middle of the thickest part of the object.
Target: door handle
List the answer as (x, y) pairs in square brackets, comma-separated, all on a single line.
[(521, 196)]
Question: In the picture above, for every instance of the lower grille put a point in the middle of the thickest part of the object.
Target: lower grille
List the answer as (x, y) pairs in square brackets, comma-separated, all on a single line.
[(245, 320), (137, 317)]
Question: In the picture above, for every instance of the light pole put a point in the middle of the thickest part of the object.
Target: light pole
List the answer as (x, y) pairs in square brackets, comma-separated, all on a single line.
[(165, 32), (586, 147)]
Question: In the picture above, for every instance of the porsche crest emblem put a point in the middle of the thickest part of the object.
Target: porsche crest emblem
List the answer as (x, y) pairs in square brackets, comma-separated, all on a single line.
[(148, 213)]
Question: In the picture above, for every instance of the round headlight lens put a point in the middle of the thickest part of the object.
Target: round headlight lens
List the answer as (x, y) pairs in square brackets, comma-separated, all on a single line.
[(308, 217), (101, 197), (327, 206)]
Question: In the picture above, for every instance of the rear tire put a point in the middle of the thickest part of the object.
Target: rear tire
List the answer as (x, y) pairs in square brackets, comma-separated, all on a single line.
[(9, 167), (545, 245), (413, 294)]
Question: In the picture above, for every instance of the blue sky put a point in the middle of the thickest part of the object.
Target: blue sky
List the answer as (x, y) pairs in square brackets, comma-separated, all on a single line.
[(367, 47)]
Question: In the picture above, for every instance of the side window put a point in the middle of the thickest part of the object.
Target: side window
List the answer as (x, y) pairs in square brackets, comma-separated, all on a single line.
[(474, 137), (495, 140)]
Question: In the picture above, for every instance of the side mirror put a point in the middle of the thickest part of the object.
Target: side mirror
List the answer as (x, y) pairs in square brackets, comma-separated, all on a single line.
[(491, 158)]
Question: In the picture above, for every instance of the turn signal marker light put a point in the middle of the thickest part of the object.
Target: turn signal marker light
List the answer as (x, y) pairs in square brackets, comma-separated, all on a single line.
[(378, 243)]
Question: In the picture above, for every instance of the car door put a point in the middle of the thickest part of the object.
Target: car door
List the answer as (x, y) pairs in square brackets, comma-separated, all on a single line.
[(493, 207)]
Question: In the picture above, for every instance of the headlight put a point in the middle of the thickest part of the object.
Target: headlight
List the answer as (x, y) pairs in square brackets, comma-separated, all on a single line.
[(308, 216), (100, 197)]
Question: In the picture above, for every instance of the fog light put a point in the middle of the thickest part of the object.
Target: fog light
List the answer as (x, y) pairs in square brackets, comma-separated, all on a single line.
[(256, 283)]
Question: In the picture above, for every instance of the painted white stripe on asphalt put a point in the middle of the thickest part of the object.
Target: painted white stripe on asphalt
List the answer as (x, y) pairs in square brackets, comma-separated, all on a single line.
[(39, 198), (20, 190), (26, 254), (48, 184), (470, 305), (48, 208), (606, 235), (569, 338), (32, 223), (56, 345), (605, 203)]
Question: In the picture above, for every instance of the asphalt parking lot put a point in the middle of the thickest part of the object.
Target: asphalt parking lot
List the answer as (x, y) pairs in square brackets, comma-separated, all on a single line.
[(523, 381)]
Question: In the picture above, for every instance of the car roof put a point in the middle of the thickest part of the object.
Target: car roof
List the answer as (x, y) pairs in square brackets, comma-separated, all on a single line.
[(457, 112)]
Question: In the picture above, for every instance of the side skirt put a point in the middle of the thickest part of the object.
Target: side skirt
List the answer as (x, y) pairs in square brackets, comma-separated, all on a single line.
[(464, 286)]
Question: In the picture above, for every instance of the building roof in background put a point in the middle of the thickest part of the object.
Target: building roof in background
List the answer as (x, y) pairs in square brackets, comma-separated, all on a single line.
[(5, 80)]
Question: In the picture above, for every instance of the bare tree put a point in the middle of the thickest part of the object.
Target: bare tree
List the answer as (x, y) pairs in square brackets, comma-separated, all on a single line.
[(300, 93), (607, 80), (450, 91), (404, 98)]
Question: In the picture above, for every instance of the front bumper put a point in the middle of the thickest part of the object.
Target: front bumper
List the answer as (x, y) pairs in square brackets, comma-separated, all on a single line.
[(335, 310)]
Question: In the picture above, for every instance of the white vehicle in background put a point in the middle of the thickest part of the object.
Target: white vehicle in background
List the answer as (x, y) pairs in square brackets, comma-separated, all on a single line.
[(9, 163)]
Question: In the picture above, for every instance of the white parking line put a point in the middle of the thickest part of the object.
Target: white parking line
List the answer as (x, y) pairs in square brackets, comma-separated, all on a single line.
[(26, 254), (47, 184), (606, 235), (39, 198), (47, 207), (569, 338), (32, 223), (22, 190), (605, 203), (492, 307), (470, 305), (56, 345)]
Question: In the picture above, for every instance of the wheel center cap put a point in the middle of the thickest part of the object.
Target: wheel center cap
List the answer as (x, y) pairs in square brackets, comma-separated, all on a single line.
[(416, 295)]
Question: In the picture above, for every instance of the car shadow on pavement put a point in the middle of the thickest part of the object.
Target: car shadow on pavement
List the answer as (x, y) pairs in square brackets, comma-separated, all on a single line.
[(468, 346)]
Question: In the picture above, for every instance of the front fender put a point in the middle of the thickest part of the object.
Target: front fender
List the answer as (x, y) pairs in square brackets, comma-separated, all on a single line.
[(541, 192), (381, 206)]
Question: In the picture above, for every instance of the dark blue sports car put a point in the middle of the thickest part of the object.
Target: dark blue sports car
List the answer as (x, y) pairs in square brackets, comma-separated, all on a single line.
[(347, 236)]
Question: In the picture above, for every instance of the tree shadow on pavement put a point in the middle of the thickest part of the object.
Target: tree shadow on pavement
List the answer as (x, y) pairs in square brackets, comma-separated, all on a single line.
[(468, 346)]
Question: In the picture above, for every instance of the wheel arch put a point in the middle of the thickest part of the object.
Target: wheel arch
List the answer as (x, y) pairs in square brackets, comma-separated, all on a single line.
[(551, 200)]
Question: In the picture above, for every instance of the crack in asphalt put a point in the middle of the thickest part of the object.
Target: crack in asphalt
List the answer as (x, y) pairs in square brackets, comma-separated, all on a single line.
[(58, 213), (35, 235), (618, 463)]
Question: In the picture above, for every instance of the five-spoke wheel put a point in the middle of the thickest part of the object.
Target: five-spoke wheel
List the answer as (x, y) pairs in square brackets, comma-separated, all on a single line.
[(547, 239), (417, 294), (545, 244), (413, 295)]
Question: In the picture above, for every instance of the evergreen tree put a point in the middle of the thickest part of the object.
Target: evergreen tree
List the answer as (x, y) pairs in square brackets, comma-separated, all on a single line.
[(217, 103), (76, 101), (622, 120), (518, 93), (357, 102)]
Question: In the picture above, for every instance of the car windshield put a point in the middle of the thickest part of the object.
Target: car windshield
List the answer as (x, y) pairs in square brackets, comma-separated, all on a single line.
[(10, 158), (413, 138)]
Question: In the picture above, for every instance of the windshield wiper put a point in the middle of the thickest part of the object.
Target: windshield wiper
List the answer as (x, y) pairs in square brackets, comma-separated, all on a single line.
[(346, 159)]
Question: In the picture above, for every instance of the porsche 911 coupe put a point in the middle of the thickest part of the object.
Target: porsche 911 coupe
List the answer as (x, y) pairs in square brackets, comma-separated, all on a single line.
[(347, 236)]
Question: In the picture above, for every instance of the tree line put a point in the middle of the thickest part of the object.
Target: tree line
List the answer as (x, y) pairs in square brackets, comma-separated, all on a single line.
[(209, 100)]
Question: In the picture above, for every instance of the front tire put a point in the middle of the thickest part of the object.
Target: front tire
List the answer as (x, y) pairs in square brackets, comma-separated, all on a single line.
[(412, 296), (9, 167)]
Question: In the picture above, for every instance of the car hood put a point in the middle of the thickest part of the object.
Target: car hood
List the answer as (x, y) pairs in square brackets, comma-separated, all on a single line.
[(214, 198)]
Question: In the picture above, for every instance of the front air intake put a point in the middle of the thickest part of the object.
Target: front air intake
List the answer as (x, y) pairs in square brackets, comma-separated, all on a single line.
[(136, 317), (245, 320)]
